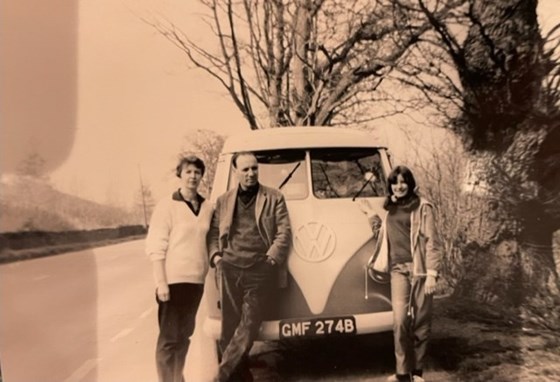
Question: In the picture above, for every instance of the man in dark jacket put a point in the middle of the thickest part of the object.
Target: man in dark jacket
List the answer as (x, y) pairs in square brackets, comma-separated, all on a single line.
[(249, 240)]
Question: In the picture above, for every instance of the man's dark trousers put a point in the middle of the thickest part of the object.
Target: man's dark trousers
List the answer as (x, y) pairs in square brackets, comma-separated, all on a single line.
[(176, 318), (244, 294)]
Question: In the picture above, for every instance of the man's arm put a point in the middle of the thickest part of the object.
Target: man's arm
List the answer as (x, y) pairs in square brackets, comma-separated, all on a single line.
[(213, 238), (278, 251)]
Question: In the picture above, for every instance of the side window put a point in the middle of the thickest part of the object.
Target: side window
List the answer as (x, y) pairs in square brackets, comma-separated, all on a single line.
[(283, 169), (347, 173)]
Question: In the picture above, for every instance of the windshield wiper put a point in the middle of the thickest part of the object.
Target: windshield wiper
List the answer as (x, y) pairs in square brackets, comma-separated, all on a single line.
[(368, 179), (289, 176)]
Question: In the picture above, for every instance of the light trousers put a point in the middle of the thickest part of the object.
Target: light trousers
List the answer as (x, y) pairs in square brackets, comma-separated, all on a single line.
[(412, 313)]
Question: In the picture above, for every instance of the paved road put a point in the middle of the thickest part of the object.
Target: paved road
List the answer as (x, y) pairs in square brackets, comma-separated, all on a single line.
[(85, 316)]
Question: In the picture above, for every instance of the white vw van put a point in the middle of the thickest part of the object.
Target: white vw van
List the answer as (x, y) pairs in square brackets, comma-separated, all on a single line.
[(321, 171)]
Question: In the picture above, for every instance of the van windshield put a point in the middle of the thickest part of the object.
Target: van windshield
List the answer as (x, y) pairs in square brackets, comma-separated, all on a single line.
[(347, 173), (335, 172)]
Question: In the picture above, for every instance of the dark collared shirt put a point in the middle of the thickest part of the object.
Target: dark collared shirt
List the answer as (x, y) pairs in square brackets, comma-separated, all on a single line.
[(248, 194), (179, 197)]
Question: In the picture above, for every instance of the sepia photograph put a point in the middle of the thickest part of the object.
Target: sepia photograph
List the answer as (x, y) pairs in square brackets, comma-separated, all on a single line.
[(280, 190)]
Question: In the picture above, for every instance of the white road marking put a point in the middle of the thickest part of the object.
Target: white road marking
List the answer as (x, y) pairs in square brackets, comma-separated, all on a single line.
[(42, 277), (125, 332), (83, 370), (147, 313), (121, 334)]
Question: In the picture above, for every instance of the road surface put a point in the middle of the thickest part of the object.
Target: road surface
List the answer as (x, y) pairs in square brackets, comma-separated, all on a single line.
[(86, 316)]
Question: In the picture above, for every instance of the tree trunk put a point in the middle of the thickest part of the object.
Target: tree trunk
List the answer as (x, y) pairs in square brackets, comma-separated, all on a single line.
[(502, 74), (501, 80), (301, 65), (539, 279), (276, 54), (510, 263)]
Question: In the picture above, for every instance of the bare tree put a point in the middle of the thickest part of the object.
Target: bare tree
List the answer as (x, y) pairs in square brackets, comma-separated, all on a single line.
[(305, 62)]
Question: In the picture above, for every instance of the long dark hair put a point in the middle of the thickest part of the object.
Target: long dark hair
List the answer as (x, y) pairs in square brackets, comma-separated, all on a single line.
[(411, 200)]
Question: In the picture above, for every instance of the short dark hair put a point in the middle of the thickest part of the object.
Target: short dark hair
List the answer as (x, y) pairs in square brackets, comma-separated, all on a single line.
[(187, 160), (238, 154)]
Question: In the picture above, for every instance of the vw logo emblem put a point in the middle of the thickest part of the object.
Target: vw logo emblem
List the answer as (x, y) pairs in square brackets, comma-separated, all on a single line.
[(314, 242)]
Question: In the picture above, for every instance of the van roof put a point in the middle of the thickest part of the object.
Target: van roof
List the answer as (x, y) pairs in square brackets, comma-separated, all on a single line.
[(300, 137)]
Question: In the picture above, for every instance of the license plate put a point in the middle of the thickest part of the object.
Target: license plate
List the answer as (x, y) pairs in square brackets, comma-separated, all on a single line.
[(317, 327)]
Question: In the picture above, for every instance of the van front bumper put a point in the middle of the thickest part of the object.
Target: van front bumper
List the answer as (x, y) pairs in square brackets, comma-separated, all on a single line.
[(270, 330)]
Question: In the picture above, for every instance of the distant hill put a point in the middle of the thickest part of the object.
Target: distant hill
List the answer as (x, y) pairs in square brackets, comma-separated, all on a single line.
[(28, 204)]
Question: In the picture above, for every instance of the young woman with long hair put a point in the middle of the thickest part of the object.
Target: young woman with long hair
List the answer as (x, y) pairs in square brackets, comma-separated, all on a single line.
[(407, 228)]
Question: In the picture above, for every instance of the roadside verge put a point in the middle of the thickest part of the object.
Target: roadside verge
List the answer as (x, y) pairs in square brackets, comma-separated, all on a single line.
[(16, 246)]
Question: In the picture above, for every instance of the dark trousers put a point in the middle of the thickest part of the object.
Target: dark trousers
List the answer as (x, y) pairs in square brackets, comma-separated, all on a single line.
[(411, 333), (176, 318), (244, 293)]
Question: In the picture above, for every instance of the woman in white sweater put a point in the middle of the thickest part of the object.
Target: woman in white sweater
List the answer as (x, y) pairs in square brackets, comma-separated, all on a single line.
[(176, 245)]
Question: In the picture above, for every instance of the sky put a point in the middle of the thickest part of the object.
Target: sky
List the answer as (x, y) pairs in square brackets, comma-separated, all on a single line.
[(107, 98), (138, 101), (104, 97)]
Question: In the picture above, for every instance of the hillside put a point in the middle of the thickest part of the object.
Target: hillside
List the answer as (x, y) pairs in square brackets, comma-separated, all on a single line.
[(31, 204)]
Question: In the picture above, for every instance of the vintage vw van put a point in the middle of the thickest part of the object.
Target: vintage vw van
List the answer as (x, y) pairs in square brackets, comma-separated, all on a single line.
[(321, 171)]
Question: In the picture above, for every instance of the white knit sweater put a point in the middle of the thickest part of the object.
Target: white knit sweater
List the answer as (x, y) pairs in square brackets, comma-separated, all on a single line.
[(177, 236)]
